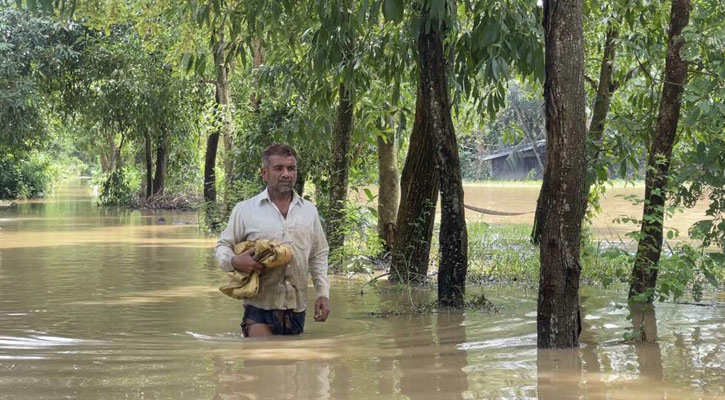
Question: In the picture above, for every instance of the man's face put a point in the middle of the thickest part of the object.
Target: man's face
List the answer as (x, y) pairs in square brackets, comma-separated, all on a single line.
[(281, 173)]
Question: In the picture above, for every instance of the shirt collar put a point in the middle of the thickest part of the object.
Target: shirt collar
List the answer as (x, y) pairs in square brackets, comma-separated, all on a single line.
[(295, 197)]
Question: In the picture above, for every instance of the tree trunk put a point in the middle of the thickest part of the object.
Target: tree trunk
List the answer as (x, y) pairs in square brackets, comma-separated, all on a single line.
[(209, 161), (161, 163), (212, 142), (224, 108), (300, 184), (453, 236), (107, 153), (340, 167), (149, 165), (418, 197), (255, 99), (644, 273), (558, 315), (388, 188), (605, 87), (228, 156)]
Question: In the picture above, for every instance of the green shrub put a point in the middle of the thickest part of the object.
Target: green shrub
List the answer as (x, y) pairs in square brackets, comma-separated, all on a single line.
[(22, 178), (362, 244), (118, 187)]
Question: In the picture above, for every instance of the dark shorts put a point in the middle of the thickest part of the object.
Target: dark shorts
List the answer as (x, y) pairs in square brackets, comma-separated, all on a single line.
[(282, 322)]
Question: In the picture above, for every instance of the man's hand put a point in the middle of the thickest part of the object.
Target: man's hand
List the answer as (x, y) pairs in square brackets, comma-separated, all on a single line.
[(322, 309), (245, 263)]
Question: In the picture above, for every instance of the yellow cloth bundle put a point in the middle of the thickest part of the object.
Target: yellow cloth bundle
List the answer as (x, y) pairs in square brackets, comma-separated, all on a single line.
[(242, 285)]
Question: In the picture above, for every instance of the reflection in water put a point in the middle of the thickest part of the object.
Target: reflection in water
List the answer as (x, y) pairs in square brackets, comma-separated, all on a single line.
[(644, 322), (649, 354), (430, 363), (257, 379), (590, 360), (558, 374), (106, 303)]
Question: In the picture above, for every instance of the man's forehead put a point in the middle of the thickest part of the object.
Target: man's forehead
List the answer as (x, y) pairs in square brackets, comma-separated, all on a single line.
[(275, 160)]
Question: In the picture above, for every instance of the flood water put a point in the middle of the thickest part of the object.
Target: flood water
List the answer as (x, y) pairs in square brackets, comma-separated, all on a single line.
[(104, 304), (614, 204)]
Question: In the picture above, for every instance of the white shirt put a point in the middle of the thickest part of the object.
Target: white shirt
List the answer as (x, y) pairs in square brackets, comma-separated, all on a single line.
[(283, 287)]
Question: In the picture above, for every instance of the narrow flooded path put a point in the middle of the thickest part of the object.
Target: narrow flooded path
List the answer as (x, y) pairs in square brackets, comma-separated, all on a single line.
[(106, 304)]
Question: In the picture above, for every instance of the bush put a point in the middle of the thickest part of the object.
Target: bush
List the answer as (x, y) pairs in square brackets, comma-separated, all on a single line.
[(362, 246), (118, 187), (22, 178)]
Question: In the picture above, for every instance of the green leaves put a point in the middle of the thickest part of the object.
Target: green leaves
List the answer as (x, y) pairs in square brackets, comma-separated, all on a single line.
[(393, 10)]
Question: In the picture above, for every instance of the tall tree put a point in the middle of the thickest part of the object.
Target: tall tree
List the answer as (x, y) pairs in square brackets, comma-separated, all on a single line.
[(340, 165), (339, 19), (558, 313), (453, 237), (479, 48), (603, 88), (649, 248), (418, 197)]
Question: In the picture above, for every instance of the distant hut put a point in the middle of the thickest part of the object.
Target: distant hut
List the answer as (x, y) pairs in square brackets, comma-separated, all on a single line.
[(517, 162)]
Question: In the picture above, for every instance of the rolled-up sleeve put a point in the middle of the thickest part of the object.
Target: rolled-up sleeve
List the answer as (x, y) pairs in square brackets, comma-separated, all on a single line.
[(318, 260), (231, 235)]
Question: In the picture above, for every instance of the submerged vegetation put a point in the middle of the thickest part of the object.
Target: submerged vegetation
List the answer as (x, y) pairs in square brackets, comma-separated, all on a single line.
[(504, 254)]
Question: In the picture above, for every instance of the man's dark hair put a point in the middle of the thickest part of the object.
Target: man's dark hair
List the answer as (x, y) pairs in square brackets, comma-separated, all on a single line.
[(278, 149)]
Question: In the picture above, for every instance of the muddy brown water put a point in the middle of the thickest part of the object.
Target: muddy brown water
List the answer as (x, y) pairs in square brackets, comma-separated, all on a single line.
[(607, 225), (615, 203), (106, 304)]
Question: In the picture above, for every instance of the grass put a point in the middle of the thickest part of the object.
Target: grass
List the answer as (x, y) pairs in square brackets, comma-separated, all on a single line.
[(504, 254)]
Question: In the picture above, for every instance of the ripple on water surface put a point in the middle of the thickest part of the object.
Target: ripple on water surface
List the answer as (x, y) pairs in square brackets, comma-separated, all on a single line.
[(111, 304)]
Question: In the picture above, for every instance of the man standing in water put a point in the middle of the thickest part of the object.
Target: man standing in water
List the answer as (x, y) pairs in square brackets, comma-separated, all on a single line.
[(278, 213)]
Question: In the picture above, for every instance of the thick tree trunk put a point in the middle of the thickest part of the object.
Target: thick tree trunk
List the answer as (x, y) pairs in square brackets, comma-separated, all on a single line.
[(161, 163), (558, 314), (418, 197), (644, 273), (388, 188), (453, 236), (605, 87), (340, 167), (149, 165)]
